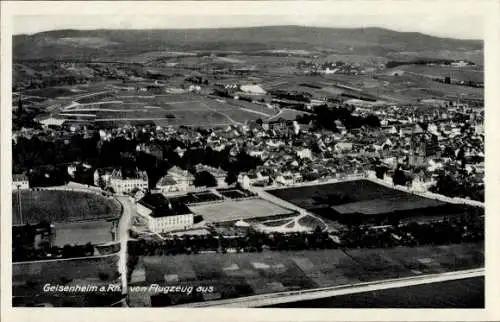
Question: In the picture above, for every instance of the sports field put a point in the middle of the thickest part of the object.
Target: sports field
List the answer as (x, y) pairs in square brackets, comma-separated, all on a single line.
[(235, 275), (230, 210), (310, 197), (366, 198), (80, 233), (62, 206)]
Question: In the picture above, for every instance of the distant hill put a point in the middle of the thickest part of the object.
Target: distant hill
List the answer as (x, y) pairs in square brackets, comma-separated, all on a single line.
[(90, 44)]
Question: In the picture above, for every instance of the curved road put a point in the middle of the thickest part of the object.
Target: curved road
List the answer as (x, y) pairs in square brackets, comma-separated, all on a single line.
[(123, 226), (294, 296)]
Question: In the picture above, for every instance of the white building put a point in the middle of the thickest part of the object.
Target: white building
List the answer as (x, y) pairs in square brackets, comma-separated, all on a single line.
[(20, 181), (122, 184), (343, 146), (304, 153), (163, 216), (52, 122), (176, 180)]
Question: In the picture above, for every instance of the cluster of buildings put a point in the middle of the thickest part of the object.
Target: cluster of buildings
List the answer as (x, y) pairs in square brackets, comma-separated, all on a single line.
[(121, 181), (425, 139), (338, 67)]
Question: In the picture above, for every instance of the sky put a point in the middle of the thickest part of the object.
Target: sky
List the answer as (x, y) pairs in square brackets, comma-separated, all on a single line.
[(454, 26)]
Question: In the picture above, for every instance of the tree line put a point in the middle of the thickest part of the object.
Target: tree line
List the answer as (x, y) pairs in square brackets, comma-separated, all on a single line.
[(452, 230), (324, 117)]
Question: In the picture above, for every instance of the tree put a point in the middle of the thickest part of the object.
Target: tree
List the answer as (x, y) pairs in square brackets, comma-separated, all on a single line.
[(399, 178), (372, 120), (231, 177), (380, 172), (204, 179)]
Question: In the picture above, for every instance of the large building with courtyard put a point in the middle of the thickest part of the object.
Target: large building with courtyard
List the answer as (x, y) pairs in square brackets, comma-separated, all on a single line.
[(162, 215)]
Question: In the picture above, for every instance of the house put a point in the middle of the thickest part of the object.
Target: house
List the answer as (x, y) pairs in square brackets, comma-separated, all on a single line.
[(20, 181), (176, 180), (304, 153), (52, 122), (162, 215), (125, 182), (246, 180), (343, 146)]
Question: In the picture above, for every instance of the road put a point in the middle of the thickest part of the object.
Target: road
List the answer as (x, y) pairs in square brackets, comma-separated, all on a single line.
[(285, 204), (123, 226), (294, 296)]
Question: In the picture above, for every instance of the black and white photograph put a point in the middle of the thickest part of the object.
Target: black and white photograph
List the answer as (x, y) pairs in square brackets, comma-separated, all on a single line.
[(284, 159)]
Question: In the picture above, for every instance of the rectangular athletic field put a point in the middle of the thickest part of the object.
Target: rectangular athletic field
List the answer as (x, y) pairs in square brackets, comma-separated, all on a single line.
[(80, 233), (229, 210)]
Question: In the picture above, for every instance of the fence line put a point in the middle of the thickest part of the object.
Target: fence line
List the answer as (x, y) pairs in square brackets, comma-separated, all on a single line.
[(428, 194)]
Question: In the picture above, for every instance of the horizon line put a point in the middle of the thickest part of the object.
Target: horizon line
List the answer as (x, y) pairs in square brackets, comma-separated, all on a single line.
[(245, 27)]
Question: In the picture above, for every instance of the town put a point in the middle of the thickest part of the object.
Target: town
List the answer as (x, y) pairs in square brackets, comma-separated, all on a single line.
[(242, 172)]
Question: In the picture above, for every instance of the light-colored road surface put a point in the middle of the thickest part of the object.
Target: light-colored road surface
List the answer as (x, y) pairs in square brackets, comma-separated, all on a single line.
[(294, 296), (123, 226)]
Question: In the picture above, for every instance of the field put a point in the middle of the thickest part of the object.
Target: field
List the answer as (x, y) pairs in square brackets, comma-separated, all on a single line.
[(62, 206), (287, 114), (310, 197), (467, 293), (471, 73), (230, 210), (386, 205), (51, 92), (335, 201), (165, 109), (28, 280), (405, 88), (80, 233), (244, 274)]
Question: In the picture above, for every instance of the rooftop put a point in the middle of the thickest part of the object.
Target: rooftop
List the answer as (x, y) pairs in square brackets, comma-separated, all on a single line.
[(162, 207), (19, 177)]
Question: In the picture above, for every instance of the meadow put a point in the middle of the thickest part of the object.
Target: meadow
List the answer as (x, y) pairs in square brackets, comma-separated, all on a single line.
[(62, 206)]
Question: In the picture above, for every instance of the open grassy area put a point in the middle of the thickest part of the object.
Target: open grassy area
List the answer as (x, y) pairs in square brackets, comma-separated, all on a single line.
[(229, 210), (165, 110), (358, 190), (80, 233), (28, 280), (367, 198), (472, 73), (51, 92), (62, 206), (235, 275)]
